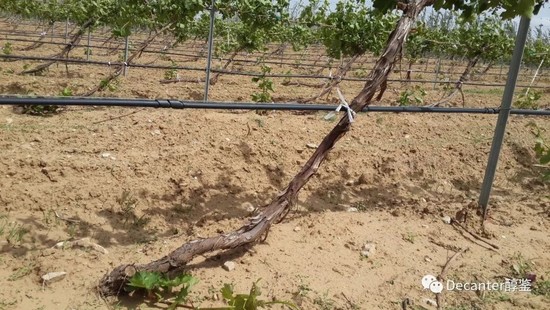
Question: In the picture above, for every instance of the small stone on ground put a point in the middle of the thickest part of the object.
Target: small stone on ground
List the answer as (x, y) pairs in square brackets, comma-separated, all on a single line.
[(368, 250), (229, 266), (53, 276)]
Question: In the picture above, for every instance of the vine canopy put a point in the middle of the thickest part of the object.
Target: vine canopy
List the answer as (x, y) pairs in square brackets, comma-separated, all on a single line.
[(507, 9)]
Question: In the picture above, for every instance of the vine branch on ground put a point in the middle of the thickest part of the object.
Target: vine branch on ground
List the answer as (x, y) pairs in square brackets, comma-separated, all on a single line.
[(443, 275), (463, 230), (118, 117), (258, 225)]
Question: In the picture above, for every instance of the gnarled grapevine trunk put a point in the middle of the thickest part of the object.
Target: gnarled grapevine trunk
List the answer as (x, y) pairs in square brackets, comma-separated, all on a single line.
[(119, 68), (65, 52), (214, 79), (328, 86), (40, 41), (257, 226), (458, 85)]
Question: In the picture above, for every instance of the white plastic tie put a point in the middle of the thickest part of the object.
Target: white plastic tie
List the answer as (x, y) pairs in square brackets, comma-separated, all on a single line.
[(343, 104)]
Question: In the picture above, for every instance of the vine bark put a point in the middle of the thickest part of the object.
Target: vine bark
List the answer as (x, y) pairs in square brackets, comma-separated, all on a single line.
[(258, 225), (464, 77), (120, 68), (66, 50)]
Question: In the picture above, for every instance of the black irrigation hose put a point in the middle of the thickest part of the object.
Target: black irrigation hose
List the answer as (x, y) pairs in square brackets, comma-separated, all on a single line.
[(218, 105), (254, 74)]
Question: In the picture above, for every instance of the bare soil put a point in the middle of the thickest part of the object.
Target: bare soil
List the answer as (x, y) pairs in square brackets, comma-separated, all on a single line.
[(142, 184)]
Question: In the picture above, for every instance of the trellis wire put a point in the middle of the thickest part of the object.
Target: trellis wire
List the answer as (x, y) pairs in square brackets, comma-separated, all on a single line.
[(252, 74), (249, 62), (254, 62), (104, 38), (302, 64)]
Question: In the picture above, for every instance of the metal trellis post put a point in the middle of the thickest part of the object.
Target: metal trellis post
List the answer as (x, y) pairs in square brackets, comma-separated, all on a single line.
[(210, 44), (500, 128), (437, 68), (66, 30), (88, 47), (125, 69)]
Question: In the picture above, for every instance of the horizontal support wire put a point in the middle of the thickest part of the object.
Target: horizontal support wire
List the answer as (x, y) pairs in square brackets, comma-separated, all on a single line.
[(236, 60), (253, 74), (103, 39), (299, 56), (221, 105), (248, 62), (303, 61)]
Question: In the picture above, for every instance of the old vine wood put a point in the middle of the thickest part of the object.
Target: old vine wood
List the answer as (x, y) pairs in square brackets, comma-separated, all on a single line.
[(257, 226)]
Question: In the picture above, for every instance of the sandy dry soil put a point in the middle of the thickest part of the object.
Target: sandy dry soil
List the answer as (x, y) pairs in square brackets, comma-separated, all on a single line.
[(143, 184)]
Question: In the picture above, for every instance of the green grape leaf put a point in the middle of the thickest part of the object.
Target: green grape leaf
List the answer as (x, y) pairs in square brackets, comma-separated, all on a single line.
[(384, 5), (145, 280), (227, 292), (522, 7)]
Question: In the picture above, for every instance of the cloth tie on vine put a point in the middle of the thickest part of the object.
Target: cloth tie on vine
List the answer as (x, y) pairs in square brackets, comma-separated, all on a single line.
[(343, 104)]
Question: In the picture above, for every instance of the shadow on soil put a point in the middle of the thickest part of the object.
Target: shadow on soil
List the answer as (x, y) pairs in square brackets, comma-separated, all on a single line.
[(527, 174), (142, 217)]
